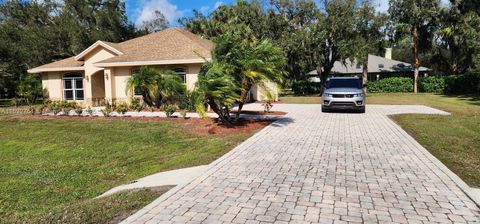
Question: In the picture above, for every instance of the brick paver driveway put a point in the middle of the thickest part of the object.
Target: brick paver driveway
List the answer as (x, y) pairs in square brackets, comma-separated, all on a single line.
[(317, 167)]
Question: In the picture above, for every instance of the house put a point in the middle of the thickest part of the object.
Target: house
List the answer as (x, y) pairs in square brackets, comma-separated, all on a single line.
[(378, 68), (102, 70)]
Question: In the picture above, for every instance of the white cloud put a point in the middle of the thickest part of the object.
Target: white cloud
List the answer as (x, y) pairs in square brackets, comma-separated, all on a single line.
[(218, 4), (205, 9), (148, 7), (381, 5)]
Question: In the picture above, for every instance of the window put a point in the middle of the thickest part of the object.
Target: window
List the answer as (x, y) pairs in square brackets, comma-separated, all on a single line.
[(181, 73), (73, 86), (136, 92), (344, 83)]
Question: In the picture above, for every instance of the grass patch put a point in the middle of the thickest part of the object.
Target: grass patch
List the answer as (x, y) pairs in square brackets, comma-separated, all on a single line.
[(301, 99), (454, 140), (53, 164)]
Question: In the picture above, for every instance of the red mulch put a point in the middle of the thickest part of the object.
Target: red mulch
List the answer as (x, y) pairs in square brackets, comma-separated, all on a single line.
[(204, 126), (254, 112)]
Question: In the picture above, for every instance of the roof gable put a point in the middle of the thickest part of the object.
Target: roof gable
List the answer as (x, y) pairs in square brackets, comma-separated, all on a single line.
[(92, 47), (167, 45)]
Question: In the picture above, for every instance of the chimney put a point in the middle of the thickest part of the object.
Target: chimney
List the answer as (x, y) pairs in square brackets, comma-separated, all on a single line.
[(388, 53)]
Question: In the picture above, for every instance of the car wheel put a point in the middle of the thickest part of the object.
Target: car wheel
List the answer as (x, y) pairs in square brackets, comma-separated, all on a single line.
[(324, 110)]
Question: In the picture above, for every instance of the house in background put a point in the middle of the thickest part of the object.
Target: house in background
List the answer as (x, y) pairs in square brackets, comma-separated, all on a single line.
[(378, 68), (102, 70)]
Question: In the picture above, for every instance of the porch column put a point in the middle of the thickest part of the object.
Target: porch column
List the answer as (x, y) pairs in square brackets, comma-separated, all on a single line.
[(109, 86), (87, 89)]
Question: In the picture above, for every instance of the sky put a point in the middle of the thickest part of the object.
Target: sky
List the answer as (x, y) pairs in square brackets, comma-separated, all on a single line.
[(142, 10)]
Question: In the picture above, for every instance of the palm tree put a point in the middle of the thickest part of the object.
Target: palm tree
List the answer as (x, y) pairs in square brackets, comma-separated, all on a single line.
[(251, 61), (155, 86), (217, 89)]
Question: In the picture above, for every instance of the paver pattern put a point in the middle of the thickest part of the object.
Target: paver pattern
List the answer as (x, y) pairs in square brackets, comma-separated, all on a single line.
[(312, 167)]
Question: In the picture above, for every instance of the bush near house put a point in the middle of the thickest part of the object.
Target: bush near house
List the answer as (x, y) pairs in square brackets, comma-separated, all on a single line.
[(431, 84), (462, 84), (304, 87), (391, 85)]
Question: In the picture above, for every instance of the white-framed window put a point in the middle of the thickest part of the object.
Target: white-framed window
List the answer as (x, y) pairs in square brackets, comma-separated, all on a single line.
[(181, 73), (73, 86)]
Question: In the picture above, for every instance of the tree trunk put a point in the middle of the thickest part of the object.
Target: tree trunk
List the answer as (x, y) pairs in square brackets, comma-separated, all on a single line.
[(365, 75), (218, 111), (246, 86), (327, 68), (417, 58)]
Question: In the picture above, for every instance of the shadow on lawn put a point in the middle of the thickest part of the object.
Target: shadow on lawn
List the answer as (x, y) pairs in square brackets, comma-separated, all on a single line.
[(470, 99)]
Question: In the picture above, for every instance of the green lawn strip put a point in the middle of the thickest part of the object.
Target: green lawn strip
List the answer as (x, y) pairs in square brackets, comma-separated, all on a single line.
[(454, 139), (52, 163), (301, 99)]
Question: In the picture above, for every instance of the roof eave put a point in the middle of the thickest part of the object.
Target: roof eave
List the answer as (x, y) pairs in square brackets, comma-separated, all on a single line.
[(59, 69), (159, 62)]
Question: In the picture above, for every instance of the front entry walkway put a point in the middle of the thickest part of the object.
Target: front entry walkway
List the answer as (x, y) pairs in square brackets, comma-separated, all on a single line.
[(314, 167)]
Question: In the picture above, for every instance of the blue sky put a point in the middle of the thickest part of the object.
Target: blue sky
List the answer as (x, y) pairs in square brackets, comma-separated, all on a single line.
[(140, 10)]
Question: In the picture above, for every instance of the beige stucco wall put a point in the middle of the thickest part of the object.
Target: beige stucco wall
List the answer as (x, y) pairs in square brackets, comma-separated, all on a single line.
[(96, 55), (120, 78), (260, 93), (108, 83), (52, 82)]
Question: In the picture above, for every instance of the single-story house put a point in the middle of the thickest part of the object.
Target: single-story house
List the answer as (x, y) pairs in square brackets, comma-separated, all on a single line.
[(101, 71), (378, 68)]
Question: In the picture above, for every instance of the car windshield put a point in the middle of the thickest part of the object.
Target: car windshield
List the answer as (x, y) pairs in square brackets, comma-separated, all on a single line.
[(344, 83)]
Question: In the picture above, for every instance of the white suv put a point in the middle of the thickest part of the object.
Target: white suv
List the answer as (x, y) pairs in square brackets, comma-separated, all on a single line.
[(344, 93)]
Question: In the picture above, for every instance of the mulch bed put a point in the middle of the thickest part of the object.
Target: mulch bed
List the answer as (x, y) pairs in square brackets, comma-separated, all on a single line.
[(203, 126), (254, 112)]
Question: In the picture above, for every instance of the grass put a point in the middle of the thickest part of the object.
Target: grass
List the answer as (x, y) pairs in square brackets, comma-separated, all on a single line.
[(54, 164), (301, 99), (454, 140)]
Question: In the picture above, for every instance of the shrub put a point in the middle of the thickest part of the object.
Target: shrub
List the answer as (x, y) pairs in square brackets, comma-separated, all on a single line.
[(391, 85), (122, 108), (169, 109), (55, 107), (89, 111), (108, 110), (183, 113), (78, 110), (190, 100), (462, 84), (136, 104), (431, 84), (304, 87), (32, 109)]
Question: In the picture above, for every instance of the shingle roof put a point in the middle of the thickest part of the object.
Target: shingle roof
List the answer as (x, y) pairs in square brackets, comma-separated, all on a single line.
[(169, 44), (376, 64), (68, 62)]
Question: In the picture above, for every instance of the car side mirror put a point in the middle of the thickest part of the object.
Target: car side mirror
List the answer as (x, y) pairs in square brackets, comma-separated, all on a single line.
[(365, 85)]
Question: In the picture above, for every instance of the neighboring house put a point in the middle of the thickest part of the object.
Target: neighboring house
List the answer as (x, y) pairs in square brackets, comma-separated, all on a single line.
[(101, 71), (378, 68)]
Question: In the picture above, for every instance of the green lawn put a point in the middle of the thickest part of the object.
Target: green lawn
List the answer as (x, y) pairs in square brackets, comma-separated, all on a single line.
[(53, 165), (455, 140)]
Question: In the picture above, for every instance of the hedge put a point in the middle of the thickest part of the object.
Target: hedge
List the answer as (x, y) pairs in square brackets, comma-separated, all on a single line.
[(304, 87), (453, 84), (431, 84), (462, 84), (391, 85)]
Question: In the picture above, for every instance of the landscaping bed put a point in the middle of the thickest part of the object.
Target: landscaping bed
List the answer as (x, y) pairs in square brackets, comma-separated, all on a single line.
[(52, 167)]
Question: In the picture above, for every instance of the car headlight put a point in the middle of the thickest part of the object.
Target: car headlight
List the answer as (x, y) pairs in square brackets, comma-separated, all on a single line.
[(358, 95), (328, 94)]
